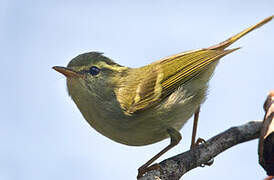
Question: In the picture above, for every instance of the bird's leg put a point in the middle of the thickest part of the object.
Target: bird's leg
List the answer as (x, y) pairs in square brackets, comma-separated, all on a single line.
[(194, 130), (175, 138), (199, 140)]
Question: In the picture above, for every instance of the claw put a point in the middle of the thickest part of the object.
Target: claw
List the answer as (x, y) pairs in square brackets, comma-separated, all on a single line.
[(208, 163), (143, 170), (199, 142)]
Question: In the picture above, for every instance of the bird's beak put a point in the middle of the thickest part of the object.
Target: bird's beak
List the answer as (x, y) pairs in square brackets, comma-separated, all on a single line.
[(67, 71)]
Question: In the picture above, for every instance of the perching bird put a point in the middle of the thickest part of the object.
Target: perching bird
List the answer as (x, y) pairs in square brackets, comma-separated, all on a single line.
[(141, 106)]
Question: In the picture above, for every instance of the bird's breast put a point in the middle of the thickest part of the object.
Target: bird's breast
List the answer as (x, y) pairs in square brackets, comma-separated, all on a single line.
[(146, 127)]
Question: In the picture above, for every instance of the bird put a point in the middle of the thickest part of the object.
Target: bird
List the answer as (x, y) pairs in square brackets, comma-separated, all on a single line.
[(145, 105)]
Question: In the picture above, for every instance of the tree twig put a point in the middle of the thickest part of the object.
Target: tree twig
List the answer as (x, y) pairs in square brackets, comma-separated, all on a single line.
[(176, 166)]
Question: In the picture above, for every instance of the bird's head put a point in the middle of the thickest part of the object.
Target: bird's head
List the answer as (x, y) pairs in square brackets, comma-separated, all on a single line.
[(92, 75)]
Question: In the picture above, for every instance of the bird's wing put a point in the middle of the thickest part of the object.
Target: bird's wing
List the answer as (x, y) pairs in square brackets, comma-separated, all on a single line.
[(168, 74)]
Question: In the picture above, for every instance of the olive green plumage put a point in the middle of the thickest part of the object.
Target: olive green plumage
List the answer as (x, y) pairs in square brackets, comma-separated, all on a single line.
[(136, 106)]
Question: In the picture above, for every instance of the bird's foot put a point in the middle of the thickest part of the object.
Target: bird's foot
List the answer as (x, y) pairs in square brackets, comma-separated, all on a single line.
[(142, 170), (199, 142), (208, 163)]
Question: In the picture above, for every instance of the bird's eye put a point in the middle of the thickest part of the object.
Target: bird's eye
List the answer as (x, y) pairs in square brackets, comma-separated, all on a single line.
[(93, 70)]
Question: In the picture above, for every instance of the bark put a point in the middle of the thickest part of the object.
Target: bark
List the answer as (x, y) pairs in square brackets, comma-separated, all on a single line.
[(266, 142), (175, 167)]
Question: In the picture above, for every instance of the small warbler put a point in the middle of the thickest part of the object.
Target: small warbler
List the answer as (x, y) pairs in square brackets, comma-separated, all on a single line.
[(141, 106)]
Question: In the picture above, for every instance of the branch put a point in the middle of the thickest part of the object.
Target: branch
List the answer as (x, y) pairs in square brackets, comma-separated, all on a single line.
[(266, 141), (176, 166)]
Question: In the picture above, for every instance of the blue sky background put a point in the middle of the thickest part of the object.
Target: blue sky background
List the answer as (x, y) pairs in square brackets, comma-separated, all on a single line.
[(43, 135)]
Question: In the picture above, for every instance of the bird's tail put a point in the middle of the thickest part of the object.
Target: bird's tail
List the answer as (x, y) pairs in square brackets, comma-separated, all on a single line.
[(229, 41)]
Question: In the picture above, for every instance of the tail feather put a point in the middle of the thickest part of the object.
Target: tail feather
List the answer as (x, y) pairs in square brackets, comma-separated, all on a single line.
[(228, 42)]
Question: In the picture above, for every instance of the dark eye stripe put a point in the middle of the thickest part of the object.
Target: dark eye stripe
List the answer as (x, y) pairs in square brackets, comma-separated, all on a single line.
[(93, 70)]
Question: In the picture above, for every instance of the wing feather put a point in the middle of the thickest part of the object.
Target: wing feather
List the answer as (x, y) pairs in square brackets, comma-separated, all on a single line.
[(163, 77), (169, 74)]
